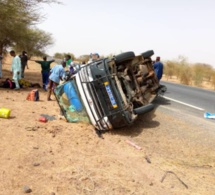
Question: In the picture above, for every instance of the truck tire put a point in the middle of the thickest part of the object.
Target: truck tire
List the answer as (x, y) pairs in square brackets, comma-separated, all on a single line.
[(124, 56), (147, 54), (144, 109)]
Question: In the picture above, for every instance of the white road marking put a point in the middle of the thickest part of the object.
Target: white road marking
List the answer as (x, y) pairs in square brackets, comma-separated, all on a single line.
[(183, 103)]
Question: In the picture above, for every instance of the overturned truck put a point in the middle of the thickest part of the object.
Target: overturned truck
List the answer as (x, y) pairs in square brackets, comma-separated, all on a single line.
[(111, 92)]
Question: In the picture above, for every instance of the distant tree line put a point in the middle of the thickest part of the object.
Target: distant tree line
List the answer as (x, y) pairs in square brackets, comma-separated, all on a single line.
[(17, 26), (189, 73)]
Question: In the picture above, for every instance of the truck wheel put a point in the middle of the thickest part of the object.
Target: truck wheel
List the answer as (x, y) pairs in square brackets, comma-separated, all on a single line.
[(147, 54), (124, 56), (144, 109)]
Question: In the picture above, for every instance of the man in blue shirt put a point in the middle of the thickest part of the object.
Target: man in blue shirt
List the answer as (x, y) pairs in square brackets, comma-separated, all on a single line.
[(158, 67), (56, 74)]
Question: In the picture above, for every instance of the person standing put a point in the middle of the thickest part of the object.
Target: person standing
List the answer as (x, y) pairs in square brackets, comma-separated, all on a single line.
[(56, 74), (45, 65), (69, 63), (1, 58), (24, 62), (158, 67), (95, 57), (16, 68)]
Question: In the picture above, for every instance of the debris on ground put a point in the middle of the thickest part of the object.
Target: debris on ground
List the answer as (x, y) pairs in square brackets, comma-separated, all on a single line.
[(167, 172), (133, 144), (32, 128), (4, 113), (43, 119), (148, 160), (48, 117), (209, 115), (26, 189), (36, 164)]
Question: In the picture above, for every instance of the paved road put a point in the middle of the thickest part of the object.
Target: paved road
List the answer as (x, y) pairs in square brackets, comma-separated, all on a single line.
[(191, 99)]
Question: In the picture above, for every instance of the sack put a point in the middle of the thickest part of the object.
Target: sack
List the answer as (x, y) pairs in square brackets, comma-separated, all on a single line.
[(33, 95)]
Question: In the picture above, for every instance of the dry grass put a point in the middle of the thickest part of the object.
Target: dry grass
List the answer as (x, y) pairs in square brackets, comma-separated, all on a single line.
[(204, 85)]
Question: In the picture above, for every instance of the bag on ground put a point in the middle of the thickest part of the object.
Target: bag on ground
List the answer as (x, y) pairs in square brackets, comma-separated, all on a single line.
[(9, 84), (33, 95)]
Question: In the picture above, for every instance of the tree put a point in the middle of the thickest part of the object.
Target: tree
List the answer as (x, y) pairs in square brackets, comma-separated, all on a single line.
[(63, 55), (208, 71), (213, 79), (10, 23), (170, 67), (184, 70), (59, 55), (34, 41), (16, 17), (83, 58), (198, 74)]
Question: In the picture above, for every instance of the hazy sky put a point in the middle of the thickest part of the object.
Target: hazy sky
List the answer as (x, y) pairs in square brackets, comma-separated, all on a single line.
[(171, 28)]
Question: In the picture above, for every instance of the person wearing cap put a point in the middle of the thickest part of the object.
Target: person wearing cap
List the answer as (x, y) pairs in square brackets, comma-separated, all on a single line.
[(90, 58), (158, 68), (95, 57)]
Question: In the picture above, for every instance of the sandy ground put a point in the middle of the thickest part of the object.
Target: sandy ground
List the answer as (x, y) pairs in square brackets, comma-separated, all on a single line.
[(177, 156)]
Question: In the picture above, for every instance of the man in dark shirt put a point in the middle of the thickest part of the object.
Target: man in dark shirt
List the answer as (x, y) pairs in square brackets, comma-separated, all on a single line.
[(45, 65), (158, 67), (24, 62)]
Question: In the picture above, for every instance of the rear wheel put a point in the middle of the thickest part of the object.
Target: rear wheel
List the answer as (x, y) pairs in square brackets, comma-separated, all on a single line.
[(147, 54), (144, 109), (124, 57)]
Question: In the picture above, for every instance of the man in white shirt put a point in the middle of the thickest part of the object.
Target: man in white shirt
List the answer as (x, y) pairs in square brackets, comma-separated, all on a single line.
[(16, 68)]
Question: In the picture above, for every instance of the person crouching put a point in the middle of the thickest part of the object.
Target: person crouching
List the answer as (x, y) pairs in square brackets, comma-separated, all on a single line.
[(56, 74)]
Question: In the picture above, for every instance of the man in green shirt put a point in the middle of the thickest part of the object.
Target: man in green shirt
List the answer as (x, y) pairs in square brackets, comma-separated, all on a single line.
[(45, 65), (69, 63)]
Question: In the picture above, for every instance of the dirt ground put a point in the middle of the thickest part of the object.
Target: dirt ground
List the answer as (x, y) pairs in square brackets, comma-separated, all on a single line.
[(177, 156)]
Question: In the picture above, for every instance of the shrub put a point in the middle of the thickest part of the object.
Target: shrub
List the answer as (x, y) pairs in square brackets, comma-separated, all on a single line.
[(169, 69), (213, 79), (198, 74), (185, 74)]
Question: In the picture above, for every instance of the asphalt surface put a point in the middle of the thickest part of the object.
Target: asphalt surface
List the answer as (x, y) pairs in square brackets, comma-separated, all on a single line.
[(195, 101)]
